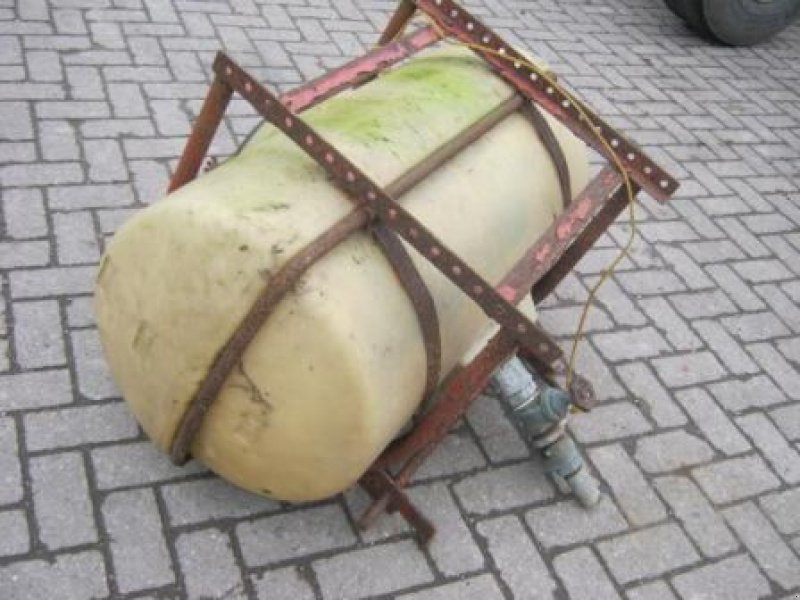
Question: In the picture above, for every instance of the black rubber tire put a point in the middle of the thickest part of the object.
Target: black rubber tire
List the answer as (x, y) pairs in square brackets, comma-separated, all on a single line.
[(690, 11), (676, 6), (748, 22)]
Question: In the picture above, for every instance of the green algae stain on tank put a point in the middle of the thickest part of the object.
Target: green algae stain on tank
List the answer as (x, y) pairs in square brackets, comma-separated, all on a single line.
[(378, 126)]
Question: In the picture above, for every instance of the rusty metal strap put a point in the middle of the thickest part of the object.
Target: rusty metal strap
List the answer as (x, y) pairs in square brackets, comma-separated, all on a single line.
[(362, 190), (554, 150), (420, 297), (583, 122), (280, 284), (286, 277)]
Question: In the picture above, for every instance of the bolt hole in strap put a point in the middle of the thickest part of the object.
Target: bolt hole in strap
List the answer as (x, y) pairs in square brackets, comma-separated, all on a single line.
[(372, 202)]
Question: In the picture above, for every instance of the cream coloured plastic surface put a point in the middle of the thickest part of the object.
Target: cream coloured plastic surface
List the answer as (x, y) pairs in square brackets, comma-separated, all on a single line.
[(339, 368)]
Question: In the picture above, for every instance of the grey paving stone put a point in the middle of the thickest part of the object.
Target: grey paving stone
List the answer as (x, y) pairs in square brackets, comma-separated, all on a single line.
[(717, 428), (23, 209), (387, 526), (651, 395), (735, 578), (755, 327), (24, 254), (38, 338), (453, 548), (647, 553), (740, 291), (150, 179), (76, 577), (735, 479), (138, 548), (58, 481), (657, 590), (112, 219), (17, 124), (591, 365), (203, 500), (650, 282), (52, 282), (633, 494), (504, 488), (714, 251), (16, 537), (475, 588), (5, 365), (77, 242), (777, 367), (567, 522), (784, 459), (136, 463), (80, 311), (782, 508), (670, 324), (759, 271), (58, 141), (702, 304), (208, 565), (609, 422), (77, 197), (622, 309), (55, 173), (739, 395), (353, 574), (781, 305), (105, 159), (10, 475), (295, 534), (516, 558), (670, 451), (726, 348), (496, 434), (94, 378), (282, 583), (457, 453), (697, 515), (688, 369), (35, 389), (631, 344), (81, 425), (583, 576), (765, 545), (790, 349), (685, 267)]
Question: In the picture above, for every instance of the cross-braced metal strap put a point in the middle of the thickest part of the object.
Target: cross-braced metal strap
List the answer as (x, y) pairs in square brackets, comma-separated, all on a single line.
[(225, 361)]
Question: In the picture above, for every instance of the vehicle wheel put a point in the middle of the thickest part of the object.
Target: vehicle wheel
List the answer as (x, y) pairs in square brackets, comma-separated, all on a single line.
[(690, 11), (748, 22)]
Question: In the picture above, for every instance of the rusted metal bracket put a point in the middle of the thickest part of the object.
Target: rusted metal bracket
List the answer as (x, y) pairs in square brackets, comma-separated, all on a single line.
[(514, 68), (540, 269), (378, 204), (547, 261), (298, 100)]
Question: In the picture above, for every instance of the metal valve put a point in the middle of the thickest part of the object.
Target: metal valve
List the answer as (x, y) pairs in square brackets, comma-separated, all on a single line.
[(543, 410)]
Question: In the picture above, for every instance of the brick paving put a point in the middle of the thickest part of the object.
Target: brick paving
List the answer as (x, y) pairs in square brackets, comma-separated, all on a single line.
[(694, 345)]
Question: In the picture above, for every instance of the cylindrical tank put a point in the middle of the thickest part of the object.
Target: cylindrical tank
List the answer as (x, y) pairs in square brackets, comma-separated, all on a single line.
[(339, 368)]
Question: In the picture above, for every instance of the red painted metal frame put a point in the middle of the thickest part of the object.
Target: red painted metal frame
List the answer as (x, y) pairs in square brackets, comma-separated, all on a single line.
[(298, 100), (511, 65), (546, 262)]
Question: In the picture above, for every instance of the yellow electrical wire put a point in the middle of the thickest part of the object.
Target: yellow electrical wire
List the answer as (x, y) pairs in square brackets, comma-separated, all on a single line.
[(582, 111)]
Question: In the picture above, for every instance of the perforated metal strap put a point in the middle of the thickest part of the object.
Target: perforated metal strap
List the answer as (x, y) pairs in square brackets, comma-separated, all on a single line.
[(421, 299), (374, 199), (512, 66), (553, 148), (283, 280)]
